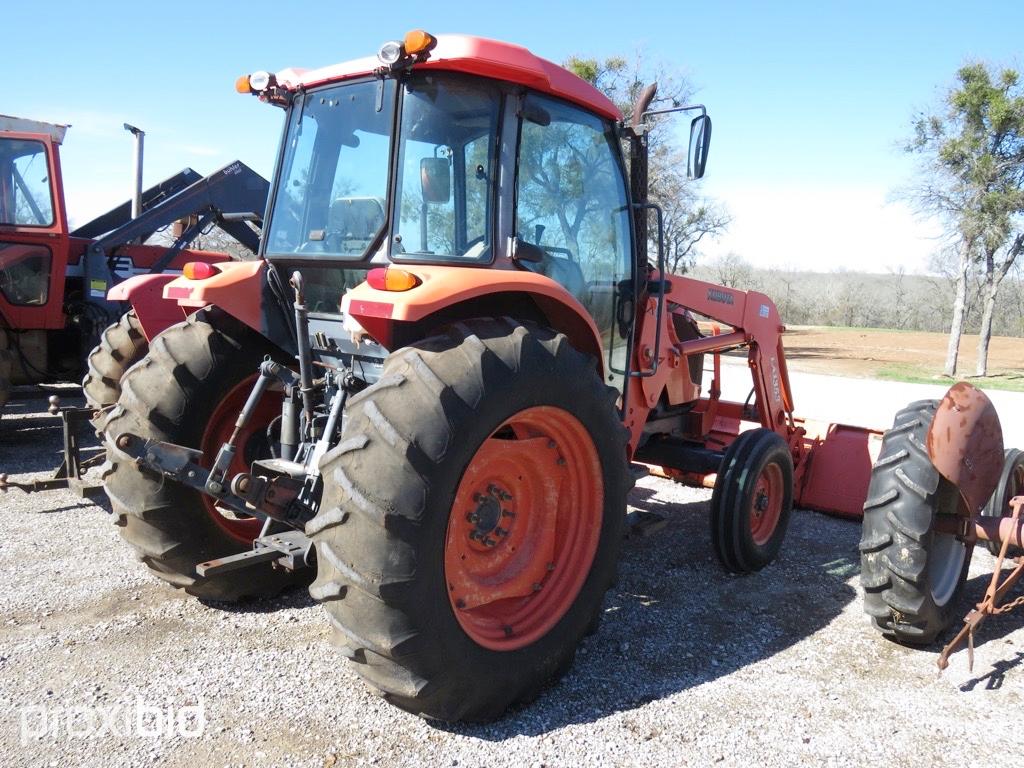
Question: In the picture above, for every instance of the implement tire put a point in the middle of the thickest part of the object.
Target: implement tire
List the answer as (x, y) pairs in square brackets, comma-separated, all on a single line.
[(471, 519), (1011, 483), (912, 576), (5, 368), (187, 391), (122, 345)]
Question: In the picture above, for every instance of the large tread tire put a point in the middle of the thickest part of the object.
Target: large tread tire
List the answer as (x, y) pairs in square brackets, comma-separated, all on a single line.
[(389, 488), (733, 499), (169, 395), (122, 345), (1011, 483), (903, 560), (6, 363)]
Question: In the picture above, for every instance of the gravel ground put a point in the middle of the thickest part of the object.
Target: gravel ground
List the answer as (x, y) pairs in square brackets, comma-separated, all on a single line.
[(690, 665)]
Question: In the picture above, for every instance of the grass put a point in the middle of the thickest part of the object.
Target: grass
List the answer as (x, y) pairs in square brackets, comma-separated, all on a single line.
[(1012, 381)]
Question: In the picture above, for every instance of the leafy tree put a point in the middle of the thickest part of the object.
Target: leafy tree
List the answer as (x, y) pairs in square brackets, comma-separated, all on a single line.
[(688, 216), (972, 177)]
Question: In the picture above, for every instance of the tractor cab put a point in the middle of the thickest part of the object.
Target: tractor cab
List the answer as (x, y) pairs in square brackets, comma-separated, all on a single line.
[(33, 231), (465, 152)]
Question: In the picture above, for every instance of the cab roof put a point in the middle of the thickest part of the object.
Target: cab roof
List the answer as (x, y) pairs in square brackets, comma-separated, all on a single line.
[(476, 56)]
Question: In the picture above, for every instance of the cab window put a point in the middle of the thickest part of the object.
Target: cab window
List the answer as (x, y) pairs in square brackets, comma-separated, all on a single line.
[(25, 196), (571, 202)]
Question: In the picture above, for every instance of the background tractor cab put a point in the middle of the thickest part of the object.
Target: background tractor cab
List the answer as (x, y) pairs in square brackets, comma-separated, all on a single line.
[(54, 282)]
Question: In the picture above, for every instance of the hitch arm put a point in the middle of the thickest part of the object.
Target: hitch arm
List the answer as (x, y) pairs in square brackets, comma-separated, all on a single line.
[(181, 464)]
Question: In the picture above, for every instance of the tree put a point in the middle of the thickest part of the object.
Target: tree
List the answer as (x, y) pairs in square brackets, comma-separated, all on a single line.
[(688, 216), (972, 178)]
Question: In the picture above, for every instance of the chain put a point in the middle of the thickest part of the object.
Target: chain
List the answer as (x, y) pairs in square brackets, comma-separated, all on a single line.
[(1007, 607)]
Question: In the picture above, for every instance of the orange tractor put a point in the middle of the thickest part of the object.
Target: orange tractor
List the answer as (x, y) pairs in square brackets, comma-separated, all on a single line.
[(437, 384)]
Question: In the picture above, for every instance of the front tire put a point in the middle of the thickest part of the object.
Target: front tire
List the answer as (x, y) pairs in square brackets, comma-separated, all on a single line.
[(188, 390), (912, 576), (471, 519), (752, 501)]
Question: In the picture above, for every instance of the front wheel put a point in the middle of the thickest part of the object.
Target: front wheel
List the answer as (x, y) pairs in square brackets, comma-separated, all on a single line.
[(471, 518), (752, 501)]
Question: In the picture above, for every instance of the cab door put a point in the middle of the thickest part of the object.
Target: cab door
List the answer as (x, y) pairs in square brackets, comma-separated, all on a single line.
[(33, 232), (572, 203)]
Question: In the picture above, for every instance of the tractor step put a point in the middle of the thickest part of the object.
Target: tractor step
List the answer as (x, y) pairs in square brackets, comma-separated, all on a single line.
[(289, 550)]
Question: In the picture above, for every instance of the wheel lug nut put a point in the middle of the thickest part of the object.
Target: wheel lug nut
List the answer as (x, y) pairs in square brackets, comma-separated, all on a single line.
[(507, 513), (561, 461), (499, 531), (551, 566), (536, 586), (460, 603), (472, 517), (489, 542), (508, 630), (551, 443)]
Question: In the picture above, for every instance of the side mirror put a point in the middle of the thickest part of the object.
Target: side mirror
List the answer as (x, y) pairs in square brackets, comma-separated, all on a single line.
[(700, 142), (435, 180)]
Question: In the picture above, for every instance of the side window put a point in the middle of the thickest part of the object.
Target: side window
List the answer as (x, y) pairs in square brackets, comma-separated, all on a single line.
[(25, 273), (571, 201), (25, 198)]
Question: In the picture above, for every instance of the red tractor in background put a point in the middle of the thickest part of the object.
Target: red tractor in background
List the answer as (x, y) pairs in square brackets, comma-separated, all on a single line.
[(431, 387), (54, 281)]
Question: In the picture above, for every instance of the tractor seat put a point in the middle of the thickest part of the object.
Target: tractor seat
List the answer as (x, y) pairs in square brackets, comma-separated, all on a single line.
[(353, 222)]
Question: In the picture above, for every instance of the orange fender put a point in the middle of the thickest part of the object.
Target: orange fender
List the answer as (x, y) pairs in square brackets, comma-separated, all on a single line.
[(446, 287), (237, 288), (146, 295), (965, 443)]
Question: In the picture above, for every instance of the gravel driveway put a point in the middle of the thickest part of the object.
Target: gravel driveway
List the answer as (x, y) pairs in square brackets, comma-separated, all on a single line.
[(690, 665)]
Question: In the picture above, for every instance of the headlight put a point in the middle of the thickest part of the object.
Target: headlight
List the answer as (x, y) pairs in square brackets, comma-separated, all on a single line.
[(390, 52), (259, 81)]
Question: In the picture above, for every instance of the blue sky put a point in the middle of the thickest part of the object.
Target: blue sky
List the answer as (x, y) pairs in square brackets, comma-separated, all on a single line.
[(810, 101)]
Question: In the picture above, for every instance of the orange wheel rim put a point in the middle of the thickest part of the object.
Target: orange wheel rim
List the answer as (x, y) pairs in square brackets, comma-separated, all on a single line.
[(250, 441), (766, 504), (524, 528)]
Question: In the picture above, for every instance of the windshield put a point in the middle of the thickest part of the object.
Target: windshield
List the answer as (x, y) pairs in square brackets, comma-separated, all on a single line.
[(332, 199), (25, 197), (332, 189)]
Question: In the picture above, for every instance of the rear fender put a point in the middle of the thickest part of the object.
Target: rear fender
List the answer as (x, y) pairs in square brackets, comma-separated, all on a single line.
[(445, 294), (146, 295), (965, 443)]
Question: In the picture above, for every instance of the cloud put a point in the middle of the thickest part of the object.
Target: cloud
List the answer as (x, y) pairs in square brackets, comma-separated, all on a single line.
[(824, 228)]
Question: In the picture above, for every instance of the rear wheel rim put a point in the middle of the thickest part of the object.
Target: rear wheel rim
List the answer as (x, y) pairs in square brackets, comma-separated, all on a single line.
[(250, 445), (766, 504), (524, 528), (945, 563)]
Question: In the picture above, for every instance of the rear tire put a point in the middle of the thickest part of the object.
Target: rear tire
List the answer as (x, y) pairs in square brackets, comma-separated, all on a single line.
[(5, 368), (912, 576), (1011, 483), (122, 345), (391, 512), (171, 395), (752, 501)]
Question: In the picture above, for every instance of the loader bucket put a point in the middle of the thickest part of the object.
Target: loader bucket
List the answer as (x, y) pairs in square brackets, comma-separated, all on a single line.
[(837, 468)]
